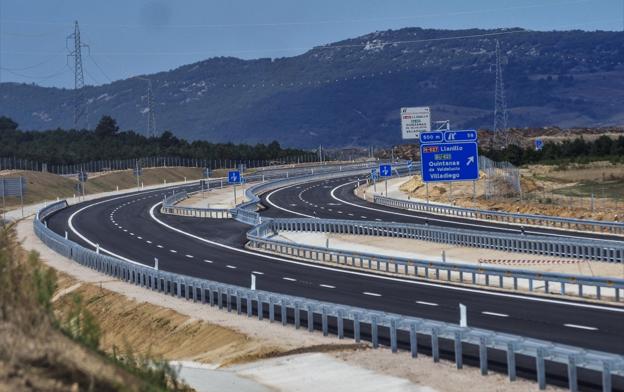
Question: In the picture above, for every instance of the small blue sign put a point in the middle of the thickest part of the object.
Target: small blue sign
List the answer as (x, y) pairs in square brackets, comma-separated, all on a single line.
[(449, 162), (234, 177), (469, 135), (385, 170), (374, 174), (432, 137), (539, 144)]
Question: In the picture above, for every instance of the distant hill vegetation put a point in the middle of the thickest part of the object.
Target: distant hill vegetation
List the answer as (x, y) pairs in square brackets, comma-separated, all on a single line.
[(349, 93)]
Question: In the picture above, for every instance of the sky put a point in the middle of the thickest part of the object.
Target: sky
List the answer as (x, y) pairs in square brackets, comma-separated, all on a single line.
[(133, 37)]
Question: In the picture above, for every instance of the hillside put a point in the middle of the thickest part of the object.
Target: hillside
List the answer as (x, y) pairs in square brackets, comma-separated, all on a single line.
[(350, 92)]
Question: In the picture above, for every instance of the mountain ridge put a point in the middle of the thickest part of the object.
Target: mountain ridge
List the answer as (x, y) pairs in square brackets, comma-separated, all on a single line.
[(348, 93)]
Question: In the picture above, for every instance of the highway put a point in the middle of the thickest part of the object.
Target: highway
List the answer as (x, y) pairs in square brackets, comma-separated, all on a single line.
[(131, 227), (334, 199)]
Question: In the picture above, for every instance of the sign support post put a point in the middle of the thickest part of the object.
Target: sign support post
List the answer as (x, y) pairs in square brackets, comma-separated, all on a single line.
[(427, 190), (3, 201), (22, 194)]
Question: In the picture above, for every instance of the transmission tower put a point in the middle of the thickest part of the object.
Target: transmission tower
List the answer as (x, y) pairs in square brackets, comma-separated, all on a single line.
[(151, 116), (80, 108), (501, 132)]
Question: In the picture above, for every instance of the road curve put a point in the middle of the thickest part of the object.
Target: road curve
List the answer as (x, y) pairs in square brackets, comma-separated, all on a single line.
[(132, 228)]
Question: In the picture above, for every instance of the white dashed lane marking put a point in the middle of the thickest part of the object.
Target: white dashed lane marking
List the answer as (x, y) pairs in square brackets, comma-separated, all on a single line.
[(290, 279), (327, 286), (580, 327), (257, 273), (231, 266), (190, 256), (427, 303), (495, 314), (173, 251), (208, 261), (159, 246), (371, 294)]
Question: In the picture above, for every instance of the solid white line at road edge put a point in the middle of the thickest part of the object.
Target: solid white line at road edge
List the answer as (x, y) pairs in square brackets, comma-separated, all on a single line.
[(387, 278)]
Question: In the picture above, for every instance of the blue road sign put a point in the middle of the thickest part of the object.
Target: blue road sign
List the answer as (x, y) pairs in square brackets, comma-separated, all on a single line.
[(234, 177), (449, 162), (469, 135), (385, 170), (410, 164), (432, 137), (539, 144), (374, 174)]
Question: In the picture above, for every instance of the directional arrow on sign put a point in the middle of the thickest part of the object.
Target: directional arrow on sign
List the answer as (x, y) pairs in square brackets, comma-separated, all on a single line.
[(470, 160)]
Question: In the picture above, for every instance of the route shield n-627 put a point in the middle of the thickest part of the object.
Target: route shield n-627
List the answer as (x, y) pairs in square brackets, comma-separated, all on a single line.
[(449, 162)]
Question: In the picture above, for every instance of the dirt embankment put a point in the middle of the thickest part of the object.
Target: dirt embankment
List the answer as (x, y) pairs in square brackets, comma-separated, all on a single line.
[(47, 186), (594, 191), (158, 331), (34, 354)]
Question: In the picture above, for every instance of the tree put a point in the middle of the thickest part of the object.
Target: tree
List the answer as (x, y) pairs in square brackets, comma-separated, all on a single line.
[(107, 127), (6, 123)]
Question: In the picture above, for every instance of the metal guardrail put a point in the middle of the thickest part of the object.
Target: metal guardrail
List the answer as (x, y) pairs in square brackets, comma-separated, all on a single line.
[(415, 333), (494, 277), (507, 217), (586, 249), (246, 212)]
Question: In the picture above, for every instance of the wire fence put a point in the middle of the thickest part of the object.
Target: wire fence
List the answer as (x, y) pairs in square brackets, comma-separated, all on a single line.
[(149, 162)]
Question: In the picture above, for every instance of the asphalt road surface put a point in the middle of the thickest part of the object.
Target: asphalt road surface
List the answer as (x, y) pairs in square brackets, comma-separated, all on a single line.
[(132, 228)]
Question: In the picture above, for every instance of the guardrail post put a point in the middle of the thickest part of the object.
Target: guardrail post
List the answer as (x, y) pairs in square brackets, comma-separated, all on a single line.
[(260, 309), (228, 299), (606, 376), (511, 362), (324, 319), (271, 310), (179, 289), (297, 311), (458, 350), (540, 367), (356, 327), (211, 295), (435, 349), (340, 324), (413, 341), (374, 332), (249, 305), (393, 335), (483, 355), (283, 316), (310, 319), (572, 374), (238, 302), (219, 298)]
